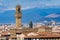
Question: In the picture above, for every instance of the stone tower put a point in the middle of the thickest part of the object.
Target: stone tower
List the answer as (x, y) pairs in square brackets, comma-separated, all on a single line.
[(18, 16)]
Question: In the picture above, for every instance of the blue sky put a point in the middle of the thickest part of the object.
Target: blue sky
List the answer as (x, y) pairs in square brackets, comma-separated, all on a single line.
[(27, 4), (8, 5)]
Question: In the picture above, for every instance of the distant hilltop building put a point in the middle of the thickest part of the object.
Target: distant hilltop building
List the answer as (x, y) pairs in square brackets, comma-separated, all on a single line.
[(18, 32)]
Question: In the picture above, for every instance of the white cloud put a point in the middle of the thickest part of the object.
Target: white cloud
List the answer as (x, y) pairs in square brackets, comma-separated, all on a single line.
[(28, 7), (6, 9), (52, 16), (9, 9), (23, 8)]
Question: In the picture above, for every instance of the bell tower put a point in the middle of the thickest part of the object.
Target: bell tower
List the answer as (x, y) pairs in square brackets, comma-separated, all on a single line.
[(18, 16)]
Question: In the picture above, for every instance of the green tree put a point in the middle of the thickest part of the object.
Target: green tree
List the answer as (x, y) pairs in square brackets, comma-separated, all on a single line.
[(31, 24)]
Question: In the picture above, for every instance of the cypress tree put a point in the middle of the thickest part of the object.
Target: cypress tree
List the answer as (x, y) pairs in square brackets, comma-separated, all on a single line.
[(31, 24)]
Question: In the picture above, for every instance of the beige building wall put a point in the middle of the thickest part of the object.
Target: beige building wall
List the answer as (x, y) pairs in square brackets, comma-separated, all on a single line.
[(18, 22), (41, 30)]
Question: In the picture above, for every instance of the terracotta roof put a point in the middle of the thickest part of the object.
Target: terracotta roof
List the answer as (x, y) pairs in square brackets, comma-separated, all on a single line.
[(5, 33), (13, 37), (44, 35)]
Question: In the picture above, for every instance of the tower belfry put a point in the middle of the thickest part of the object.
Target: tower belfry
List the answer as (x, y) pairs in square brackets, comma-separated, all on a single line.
[(18, 16)]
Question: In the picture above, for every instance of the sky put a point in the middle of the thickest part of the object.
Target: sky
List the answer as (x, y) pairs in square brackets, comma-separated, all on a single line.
[(27, 4), (6, 5)]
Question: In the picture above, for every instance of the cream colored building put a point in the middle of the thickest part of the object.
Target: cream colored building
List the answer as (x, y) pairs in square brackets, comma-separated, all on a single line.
[(41, 29)]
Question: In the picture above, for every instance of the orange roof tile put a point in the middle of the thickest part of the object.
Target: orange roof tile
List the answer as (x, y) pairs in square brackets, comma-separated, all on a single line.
[(44, 35), (5, 33)]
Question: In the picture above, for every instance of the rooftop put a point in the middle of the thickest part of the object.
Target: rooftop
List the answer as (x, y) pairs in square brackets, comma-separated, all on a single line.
[(44, 35)]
